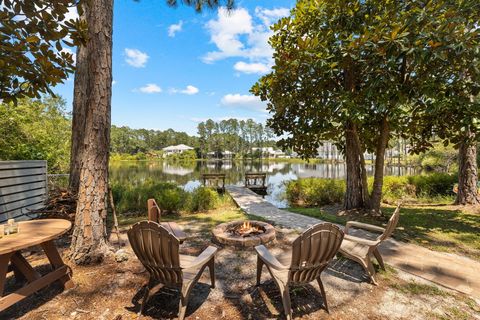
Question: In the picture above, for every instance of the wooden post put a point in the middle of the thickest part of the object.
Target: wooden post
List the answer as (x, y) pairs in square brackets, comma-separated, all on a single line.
[(115, 220)]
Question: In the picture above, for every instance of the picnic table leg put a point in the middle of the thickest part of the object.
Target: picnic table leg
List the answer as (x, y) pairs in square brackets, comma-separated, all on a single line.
[(57, 262), (22, 268), (4, 260)]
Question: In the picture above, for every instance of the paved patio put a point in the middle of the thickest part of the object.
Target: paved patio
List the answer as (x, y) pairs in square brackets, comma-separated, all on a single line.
[(448, 270)]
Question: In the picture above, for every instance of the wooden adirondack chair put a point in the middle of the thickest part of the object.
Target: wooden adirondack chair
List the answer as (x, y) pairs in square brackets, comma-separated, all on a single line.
[(311, 253), (158, 250), (363, 250), (155, 214)]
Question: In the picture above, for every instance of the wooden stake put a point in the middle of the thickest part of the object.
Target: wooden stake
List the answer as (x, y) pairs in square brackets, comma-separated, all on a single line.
[(115, 221)]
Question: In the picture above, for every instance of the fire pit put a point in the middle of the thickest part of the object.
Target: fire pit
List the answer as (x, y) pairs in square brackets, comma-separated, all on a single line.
[(244, 233)]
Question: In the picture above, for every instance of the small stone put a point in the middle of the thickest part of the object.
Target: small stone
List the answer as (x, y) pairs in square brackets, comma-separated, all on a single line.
[(121, 255)]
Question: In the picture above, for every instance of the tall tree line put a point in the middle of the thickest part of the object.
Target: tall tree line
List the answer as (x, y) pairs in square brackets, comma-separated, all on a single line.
[(238, 136), (125, 140)]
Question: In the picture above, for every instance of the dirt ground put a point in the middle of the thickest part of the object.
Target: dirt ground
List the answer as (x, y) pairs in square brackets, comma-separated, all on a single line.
[(112, 290)]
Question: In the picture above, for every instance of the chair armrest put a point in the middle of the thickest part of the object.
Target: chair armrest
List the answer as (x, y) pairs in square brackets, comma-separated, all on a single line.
[(202, 259), (363, 226), (268, 258), (361, 240)]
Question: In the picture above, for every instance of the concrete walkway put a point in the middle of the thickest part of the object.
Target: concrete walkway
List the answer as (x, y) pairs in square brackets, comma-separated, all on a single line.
[(448, 270)]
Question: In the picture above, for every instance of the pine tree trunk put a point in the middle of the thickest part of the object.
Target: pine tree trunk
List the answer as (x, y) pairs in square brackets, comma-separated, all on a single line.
[(79, 113), (89, 236), (382, 143), (356, 196), (467, 173)]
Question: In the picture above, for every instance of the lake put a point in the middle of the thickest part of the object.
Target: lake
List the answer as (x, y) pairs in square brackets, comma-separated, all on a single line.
[(188, 175)]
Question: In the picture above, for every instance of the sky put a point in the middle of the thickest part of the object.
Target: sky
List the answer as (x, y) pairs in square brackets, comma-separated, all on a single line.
[(173, 67)]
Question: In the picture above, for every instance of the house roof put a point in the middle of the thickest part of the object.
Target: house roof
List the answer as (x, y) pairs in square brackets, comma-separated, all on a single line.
[(181, 147)]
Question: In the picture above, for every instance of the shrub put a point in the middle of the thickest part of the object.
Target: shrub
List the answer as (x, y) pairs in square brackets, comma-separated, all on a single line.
[(133, 197), (311, 192), (203, 199), (434, 184), (395, 188)]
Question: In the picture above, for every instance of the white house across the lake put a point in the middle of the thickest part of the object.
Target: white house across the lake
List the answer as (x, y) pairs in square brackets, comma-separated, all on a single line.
[(176, 149)]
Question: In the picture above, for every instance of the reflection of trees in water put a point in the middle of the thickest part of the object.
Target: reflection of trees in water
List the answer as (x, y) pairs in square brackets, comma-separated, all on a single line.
[(136, 172)]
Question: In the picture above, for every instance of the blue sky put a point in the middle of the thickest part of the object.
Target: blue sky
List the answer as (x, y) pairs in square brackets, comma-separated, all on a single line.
[(173, 67)]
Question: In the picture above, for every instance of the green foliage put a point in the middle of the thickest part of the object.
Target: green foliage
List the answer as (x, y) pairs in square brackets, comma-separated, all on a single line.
[(395, 188), (312, 192), (203, 199), (185, 156), (124, 140), (133, 197), (433, 184), (438, 158), (36, 130), (32, 36), (235, 136)]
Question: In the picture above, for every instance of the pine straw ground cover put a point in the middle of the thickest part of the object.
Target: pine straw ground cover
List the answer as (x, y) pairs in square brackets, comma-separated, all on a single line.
[(112, 290)]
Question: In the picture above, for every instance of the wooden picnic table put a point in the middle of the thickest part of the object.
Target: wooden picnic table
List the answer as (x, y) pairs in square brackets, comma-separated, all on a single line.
[(31, 233)]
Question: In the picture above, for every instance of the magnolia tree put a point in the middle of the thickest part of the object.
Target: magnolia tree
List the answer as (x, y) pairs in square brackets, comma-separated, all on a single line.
[(358, 72), (33, 35)]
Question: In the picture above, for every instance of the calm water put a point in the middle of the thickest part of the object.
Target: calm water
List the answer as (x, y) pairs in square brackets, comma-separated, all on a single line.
[(189, 175)]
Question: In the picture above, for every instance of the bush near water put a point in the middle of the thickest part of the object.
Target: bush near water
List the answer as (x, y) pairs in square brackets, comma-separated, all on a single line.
[(132, 198), (313, 192)]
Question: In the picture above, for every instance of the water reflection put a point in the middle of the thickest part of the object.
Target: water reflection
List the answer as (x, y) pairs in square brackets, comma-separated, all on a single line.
[(189, 174)]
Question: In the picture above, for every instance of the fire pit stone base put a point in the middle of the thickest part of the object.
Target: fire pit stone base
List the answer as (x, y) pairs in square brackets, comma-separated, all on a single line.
[(244, 233)]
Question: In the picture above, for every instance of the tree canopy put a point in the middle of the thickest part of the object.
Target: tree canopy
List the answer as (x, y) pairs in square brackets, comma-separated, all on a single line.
[(370, 67), (33, 35)]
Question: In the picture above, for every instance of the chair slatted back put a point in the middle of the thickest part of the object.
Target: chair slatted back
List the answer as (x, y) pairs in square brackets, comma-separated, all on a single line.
[(391, 225), (313, 250), (158, 250), (154, 211)]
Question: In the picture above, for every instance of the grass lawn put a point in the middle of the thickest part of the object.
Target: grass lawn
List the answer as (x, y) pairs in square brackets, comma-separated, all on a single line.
[(441, 228)]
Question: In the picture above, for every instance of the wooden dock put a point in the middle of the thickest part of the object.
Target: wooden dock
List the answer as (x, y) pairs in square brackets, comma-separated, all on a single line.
[(253, 204)]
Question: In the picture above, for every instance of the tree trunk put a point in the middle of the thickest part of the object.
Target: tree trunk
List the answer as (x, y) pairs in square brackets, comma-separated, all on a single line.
[(356, 196), (89, 236), (79, 113), (382, 143), (467, 172)]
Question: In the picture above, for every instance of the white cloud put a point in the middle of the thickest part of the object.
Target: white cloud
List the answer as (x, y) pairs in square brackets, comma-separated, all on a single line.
[(189, 90), (244, 101), (271, 16), (114, 82), (174, 28), (150, 88), (239, 34), (259, 68), (136, 58)]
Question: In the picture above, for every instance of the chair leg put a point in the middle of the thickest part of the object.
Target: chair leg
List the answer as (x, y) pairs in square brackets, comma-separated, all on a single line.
[(182, 308), (322, 290), (368, 266), (259, 269), (287, 307), (146, 297), (211, 268), (379, 258)]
